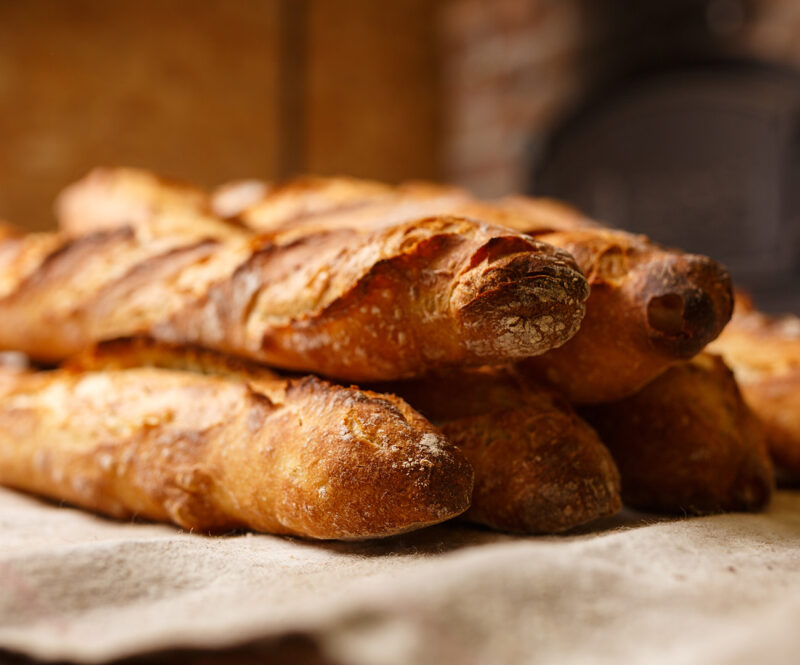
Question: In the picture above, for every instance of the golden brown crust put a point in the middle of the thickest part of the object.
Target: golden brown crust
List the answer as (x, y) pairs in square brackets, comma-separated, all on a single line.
[(110, 198), (538, 467), (142, 351), (395, 302), (649, 306), (57, 295), (297, 457), (231, 199), (312, 203), (776, 401), (304, 196), (764, 353), (687, 442), (758, 343), (334, 202)]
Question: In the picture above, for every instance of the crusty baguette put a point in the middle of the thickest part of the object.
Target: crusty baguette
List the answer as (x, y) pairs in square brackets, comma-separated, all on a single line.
[(228, 200), (687, 443), (539, 468), (239, 450), (764, 353), (111, 198), (391, 303), (649, 306), (312, 203), (282, 206)]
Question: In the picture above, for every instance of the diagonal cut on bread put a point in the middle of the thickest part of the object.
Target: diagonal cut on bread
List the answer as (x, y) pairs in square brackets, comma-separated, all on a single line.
[(649, 306), (395, 302), (236, 447)]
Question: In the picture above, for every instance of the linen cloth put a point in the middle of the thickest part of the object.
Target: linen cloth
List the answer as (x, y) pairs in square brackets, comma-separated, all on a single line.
[(722, 589)]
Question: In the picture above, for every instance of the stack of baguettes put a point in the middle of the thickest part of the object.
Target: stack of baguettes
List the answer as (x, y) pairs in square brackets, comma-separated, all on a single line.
[(476, 326)]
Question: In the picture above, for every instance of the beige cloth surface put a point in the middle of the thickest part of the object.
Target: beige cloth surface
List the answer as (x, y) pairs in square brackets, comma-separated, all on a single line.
[(722, 589)]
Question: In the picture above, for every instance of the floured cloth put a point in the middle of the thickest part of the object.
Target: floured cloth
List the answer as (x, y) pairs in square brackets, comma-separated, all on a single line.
[(722, 589)]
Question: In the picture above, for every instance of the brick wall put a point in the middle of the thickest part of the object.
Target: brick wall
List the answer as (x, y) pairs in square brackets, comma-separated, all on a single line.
[(510, 69), (513, 68)]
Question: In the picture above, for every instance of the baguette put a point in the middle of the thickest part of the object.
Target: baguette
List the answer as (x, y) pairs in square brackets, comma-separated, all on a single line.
[(687, 442), (109, 198), (649, 306), (395, 302), (538, 467), (312, 203), (240, 449), (764, 353)]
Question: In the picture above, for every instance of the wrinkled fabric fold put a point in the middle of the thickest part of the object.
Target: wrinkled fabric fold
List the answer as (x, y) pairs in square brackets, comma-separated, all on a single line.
[(636, 589)]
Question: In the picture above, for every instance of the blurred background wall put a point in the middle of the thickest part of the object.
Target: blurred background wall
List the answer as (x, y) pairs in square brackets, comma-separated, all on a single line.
[(210, 90), (678, 119)]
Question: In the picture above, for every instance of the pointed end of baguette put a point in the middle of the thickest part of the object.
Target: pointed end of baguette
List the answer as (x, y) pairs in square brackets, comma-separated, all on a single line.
[(379, 468), (690, 300), (538, 467)]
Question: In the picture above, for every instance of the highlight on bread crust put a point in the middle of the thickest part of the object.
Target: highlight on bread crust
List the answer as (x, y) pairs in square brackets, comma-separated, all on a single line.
[(219, 452), (396, 302), (111, 198), (649, 306), (764, 353), (299, 198), (306, 204), (538, 467), (687, 442), (229, 200)]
